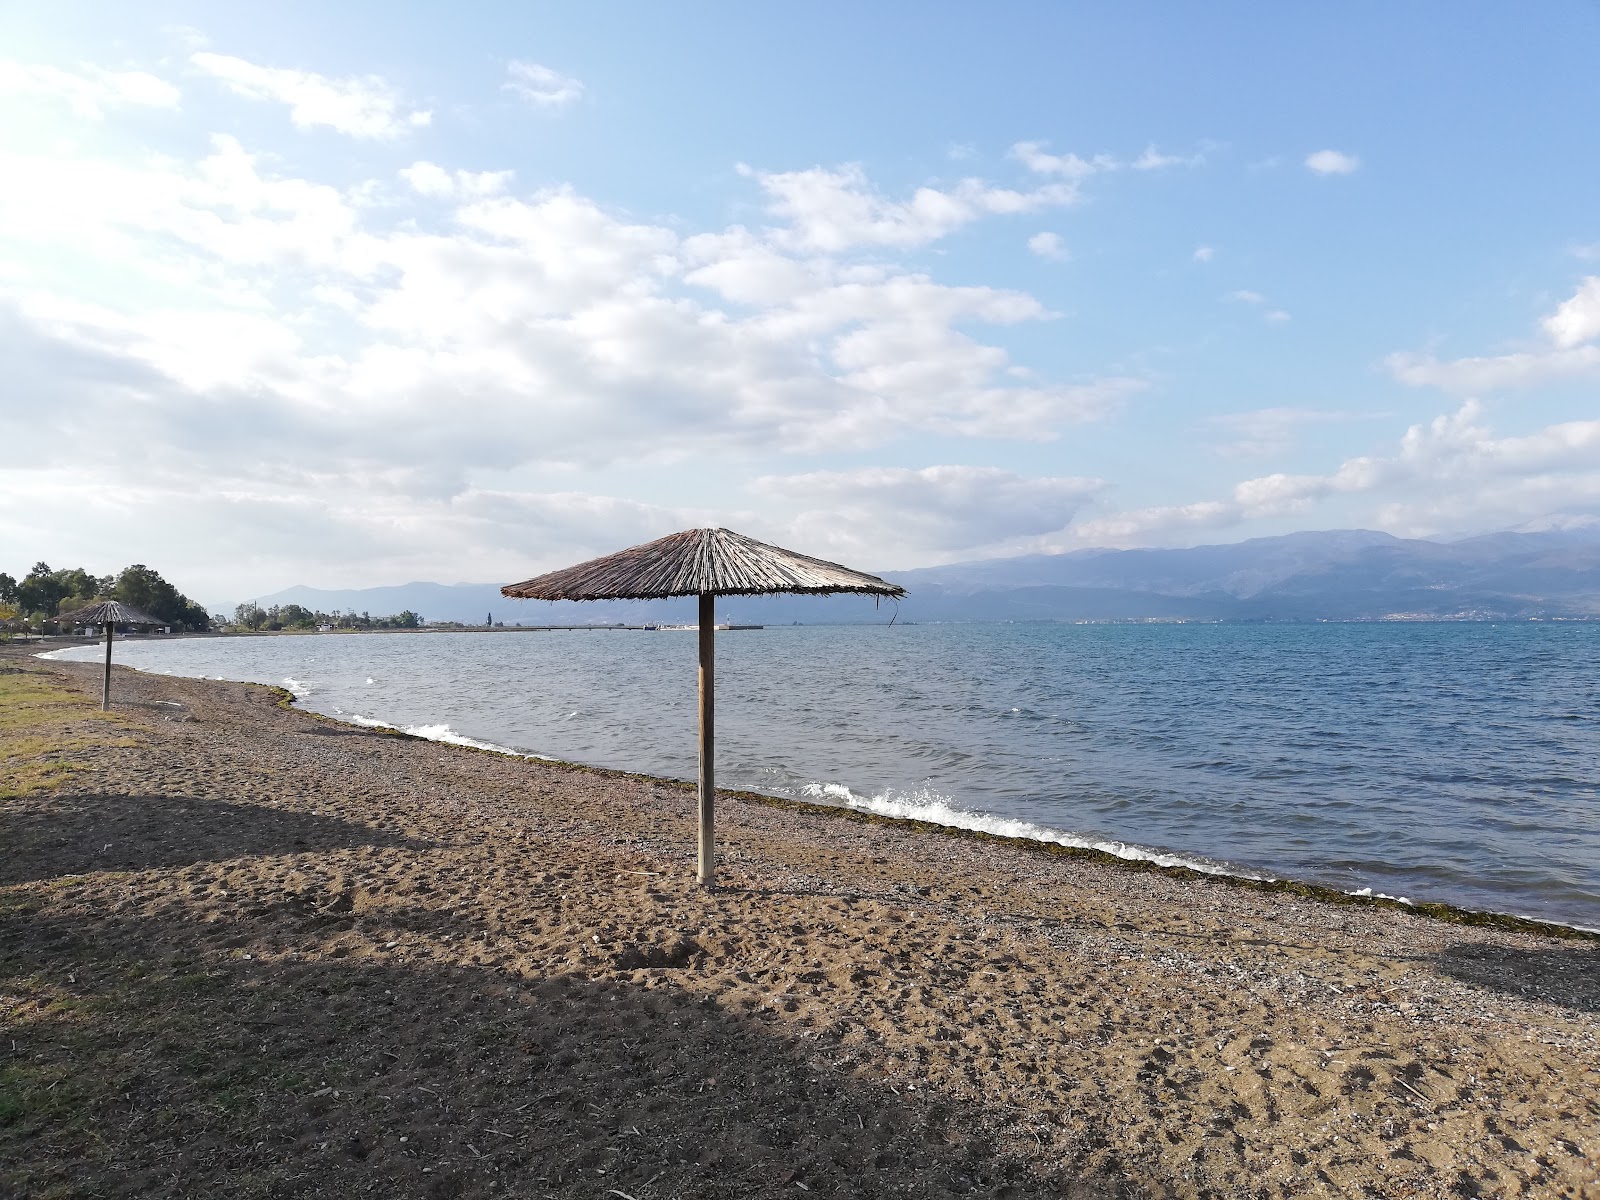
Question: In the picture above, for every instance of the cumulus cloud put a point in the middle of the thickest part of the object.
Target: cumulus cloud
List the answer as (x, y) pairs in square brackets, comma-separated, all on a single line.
[(1332, 162), (361, 106), (1578, 319), (1158, 523), (1076, 168), (830, 210), (1456, 473), (431, 180), (542, 86), (1494, 373), (949, 511), (90, 90), (1049, 245), (292, 340), (1450, 474), (1037, 159), (1569, 330)]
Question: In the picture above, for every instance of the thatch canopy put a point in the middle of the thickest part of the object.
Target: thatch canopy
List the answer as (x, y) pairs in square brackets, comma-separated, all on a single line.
[(699, 562), (109, 612)]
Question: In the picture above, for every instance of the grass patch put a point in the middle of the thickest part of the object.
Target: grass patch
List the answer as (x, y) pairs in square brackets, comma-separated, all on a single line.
[(42, 728)]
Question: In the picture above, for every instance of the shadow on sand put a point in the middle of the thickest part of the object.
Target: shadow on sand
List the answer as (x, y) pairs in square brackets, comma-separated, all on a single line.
[(154, 1062), (73, 835), (1567, 975)]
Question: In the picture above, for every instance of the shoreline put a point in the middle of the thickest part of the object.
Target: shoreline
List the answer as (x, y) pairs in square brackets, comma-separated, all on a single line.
[(1432, 909), (320, 959), (1142, 860)]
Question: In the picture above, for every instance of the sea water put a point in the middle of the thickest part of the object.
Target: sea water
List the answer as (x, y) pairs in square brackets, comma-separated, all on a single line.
[(1452, 761)]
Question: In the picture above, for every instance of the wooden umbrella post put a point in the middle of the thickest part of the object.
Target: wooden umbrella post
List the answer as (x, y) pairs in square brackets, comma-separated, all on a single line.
[(708, 786), (706, 563), (105, 688)]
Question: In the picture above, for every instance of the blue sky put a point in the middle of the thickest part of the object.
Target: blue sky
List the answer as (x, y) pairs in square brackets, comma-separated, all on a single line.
[(391, 292)]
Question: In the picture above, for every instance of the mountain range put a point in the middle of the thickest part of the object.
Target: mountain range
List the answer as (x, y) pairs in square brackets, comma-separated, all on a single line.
[(1329, 575)]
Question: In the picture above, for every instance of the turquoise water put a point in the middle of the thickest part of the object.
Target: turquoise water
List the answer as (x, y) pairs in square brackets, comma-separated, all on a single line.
[(1455, 762)]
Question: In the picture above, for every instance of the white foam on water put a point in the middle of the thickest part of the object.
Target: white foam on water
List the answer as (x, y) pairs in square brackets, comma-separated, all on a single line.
[(1366, 891), (369, 722), (299, 690), (370, 681), (927, 805), (441, 733)]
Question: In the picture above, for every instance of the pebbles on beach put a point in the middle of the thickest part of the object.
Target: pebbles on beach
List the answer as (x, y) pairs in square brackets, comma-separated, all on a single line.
[(394, 966)]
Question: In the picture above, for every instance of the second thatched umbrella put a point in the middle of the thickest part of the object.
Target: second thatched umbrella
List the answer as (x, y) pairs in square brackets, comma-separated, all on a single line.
[(706, 563), (109, 613)]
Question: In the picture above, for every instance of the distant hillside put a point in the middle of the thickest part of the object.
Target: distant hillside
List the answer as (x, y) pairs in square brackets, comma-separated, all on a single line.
[(1334, 575)]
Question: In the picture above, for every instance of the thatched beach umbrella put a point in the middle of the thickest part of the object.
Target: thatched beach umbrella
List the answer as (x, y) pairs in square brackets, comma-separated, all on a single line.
[(706, 563), (109, 613)]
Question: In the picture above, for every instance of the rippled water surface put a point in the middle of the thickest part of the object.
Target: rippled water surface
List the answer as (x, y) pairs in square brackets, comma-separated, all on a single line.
[(1456, 762)]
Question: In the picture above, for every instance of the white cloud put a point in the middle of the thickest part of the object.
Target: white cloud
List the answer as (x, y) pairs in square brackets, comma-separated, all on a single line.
[(1153, 160), (1075, 168), (1574, 324), (283, 335), (1578, 319), (1272, 316), (1472, 376), (829, 211), (1204, 254), (89, 90), (1068, 166), (1049, 245), (832, 210), (1159, 523), (1451, 474), (1332, 162), (1588, 253), (431, 180), (364, 106), (947, 511), (541, 86)]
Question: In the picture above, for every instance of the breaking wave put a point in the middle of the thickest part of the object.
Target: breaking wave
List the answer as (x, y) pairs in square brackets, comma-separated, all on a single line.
[(440, 733), (927, 805)]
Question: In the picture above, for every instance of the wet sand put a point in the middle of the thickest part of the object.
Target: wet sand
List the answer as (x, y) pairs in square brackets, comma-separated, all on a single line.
[(267, 954)]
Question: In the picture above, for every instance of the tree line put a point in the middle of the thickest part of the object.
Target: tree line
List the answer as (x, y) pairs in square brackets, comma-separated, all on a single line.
[(35, 600), (39, 596), (293, 616)]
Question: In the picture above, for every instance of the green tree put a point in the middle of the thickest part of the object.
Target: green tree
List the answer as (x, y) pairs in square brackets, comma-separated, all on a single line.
[(78, 588), (40, 591), (8, 589), (143, 588), (293, 616), (250, 614)]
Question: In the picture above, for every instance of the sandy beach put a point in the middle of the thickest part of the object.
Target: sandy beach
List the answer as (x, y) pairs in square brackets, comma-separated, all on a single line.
[(248, 951)]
